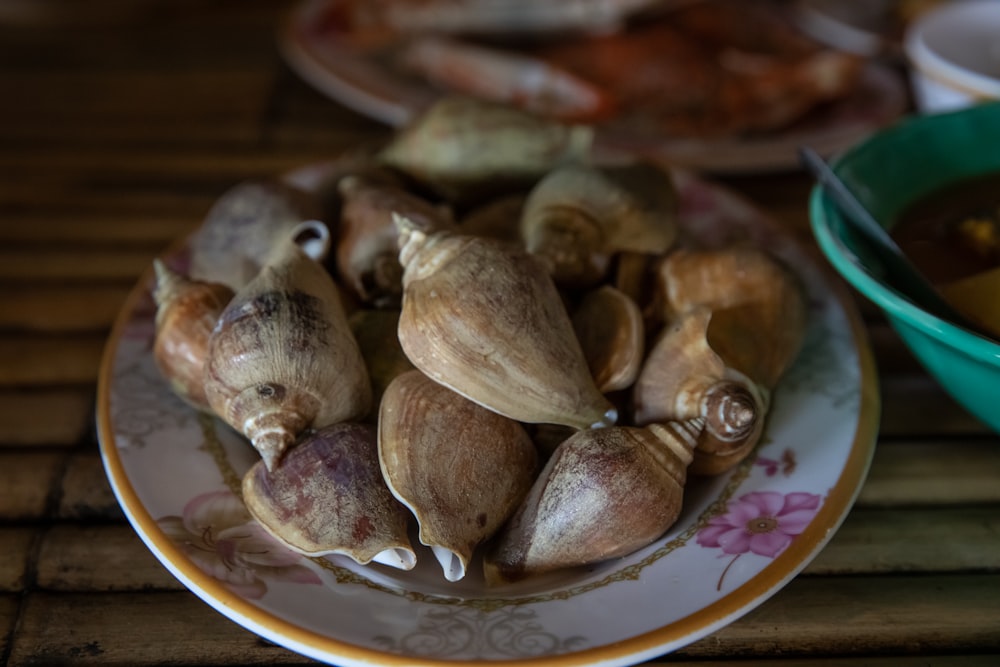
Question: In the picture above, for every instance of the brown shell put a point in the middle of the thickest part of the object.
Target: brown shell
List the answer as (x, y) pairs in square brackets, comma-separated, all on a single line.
[(758, 305), (328, 497), (735, 412), (611, 333), (460, 468), (243, 227), (366, 250), (483, 318), (282, 357), (677, 372), (498, 218), (579, 216), (186, 313), (462, 145), (683, 379), (603, 494)]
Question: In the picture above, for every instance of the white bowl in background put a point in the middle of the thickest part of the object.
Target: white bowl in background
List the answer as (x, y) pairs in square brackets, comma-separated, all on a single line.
[(954, 55)]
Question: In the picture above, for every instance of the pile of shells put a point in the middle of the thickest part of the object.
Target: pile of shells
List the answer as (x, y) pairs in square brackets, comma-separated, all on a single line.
[(480, 328)]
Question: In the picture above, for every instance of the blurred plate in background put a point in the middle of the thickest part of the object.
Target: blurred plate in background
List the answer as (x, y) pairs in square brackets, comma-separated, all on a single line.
[(366, 78)]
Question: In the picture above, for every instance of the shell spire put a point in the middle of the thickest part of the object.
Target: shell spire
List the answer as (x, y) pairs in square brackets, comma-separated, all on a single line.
[(683, 378)]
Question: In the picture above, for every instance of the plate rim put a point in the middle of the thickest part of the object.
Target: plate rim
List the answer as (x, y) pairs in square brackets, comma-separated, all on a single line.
[(768, 581)]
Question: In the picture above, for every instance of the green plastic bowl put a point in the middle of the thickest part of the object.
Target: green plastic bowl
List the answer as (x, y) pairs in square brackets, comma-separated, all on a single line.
[(888, 171)]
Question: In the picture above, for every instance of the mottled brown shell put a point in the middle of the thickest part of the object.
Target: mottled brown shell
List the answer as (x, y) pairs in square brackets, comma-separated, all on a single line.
[(367, 251), (460, 468), (328, 497), (186, 313), (603, 494), (243, 228), (282, 357)]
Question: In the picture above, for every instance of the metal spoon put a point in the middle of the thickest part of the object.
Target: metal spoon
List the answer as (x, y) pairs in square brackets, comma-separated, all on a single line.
[(901, 274)]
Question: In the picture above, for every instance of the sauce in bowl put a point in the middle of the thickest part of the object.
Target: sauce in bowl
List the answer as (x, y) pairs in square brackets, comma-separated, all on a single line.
[(952, 236), (954, 232)]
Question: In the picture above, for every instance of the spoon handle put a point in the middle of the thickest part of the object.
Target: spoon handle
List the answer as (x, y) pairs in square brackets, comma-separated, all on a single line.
[(848, 203)]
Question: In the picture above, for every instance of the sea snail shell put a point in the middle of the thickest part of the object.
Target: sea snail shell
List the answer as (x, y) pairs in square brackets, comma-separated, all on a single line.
[(367, 250), (461, 144), (328, 497), (683, 379), (483, 318), (610, 329), (460, 468), (604, 493), (186, 313), (759, 307), (738, 322), (242, 228), (579, 216), (282, 357)]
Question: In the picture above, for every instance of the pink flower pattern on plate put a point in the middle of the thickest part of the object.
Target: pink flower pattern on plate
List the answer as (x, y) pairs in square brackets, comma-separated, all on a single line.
[(785, 465), (760, 522), (218, 534)]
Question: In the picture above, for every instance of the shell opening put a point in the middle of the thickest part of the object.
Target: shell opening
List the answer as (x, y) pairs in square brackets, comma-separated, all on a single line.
[(313, 238), (451, 564), (397, 557), (570, 240)]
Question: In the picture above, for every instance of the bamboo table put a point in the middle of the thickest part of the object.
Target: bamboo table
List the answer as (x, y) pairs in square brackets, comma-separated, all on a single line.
[(121, 122)]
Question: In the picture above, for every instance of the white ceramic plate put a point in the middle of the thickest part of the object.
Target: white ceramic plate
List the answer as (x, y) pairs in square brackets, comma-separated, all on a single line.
[(177, 476), (361, 80)]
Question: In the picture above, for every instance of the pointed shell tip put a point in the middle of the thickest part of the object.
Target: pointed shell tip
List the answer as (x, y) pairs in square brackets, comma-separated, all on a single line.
[(398, 557), (609, 419)]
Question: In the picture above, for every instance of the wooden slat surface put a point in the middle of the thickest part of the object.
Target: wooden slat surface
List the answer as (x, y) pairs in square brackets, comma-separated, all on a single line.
[(45, 417), (895, 613), (123, 121), (60, 359)]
